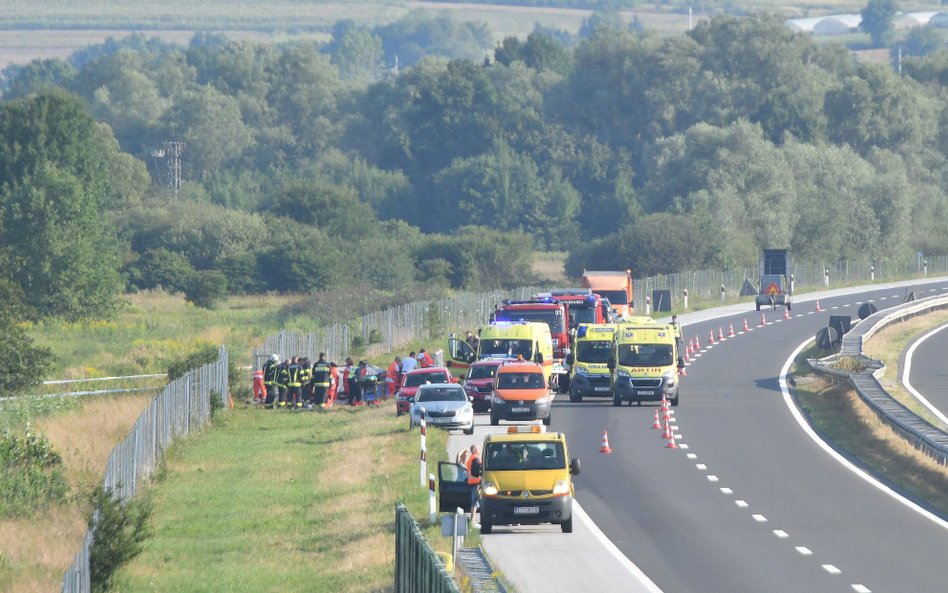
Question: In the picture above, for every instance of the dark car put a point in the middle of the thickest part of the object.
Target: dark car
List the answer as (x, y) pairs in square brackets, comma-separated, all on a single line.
[(412, 380), (479, 383)]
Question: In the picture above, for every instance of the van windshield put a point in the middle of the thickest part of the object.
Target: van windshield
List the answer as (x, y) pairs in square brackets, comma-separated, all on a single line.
[(508, 348), (616, 297), (520, 381), (593, 351), (645, 355), (524, 456)]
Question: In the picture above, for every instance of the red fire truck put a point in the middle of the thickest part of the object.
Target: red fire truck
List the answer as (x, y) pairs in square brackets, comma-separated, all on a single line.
[(545, 310)]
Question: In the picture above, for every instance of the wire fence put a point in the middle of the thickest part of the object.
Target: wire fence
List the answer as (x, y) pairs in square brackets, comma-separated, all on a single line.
[(185, 405), (386, 331)]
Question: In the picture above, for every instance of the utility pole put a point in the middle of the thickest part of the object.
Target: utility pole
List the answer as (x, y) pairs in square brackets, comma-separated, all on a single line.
[(170, 153)]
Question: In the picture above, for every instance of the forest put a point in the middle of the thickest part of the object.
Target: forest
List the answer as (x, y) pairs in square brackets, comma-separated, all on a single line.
[(416, 154)]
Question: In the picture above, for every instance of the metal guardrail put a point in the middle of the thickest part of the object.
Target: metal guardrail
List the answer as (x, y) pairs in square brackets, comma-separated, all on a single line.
[(184, 406), (417, 568), (925, 437)]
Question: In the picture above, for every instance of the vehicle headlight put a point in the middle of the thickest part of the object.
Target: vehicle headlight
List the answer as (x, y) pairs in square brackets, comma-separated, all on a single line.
[(466, 411), (495, 399), (670, 377), (560, 488), (489, 488)]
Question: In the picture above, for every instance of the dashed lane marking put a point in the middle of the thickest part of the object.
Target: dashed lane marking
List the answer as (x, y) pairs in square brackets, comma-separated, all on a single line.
[(759, 518), (712, 478), (780, 533), (831, 569), (861, 588), (741, 503), (726, 490), (701, 466), (804, 551)]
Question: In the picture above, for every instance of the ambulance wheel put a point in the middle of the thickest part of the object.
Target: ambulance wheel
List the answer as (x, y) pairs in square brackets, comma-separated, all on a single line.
[(675, 401), (486, 527), (566, 526), (575, 397)]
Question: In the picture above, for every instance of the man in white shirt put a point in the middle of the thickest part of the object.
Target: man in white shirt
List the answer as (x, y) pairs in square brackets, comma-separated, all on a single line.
[(410, 363)]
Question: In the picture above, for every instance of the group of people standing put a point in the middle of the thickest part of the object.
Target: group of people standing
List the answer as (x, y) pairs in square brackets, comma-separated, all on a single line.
[(296, 383)]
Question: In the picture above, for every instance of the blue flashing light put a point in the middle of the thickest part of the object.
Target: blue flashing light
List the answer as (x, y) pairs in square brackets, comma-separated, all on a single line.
[(581, 332)]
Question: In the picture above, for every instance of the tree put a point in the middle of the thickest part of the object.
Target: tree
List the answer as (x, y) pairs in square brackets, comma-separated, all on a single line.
[(877, 20), (22, 365), (53, 173), (36, 77), (358, 56), (922, 41)]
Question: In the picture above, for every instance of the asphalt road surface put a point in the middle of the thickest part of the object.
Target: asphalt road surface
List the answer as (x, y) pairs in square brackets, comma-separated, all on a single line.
[(749, 501)]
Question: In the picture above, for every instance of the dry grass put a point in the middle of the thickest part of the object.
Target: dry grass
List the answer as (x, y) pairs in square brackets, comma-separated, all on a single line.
[(34, 553), (888, 345), (548, 267), (840, 415)]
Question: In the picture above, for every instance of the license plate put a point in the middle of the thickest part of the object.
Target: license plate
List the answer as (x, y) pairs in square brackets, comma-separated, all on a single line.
[(526, 510), (601, 389), (440, 420), (522, 410), (646, 392)]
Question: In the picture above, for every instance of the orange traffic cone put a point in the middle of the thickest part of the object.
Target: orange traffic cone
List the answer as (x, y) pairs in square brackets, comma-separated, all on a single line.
[(763, 320), (786, 313), (720, 334), (745, 325), (818, 307), (671, 442), (667, 434), (664, 407), (697, 344), (687, 355), (711, 337), (605, 448), (655, 422), (730, 331)]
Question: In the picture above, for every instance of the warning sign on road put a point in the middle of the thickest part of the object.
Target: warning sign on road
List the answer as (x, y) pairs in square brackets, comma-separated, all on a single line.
[(773, 289)]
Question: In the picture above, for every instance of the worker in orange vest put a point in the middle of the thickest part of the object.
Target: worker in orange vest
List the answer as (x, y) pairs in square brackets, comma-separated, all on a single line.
[(393, 377), (259, 391), (426, 360), (474, 463), (333, 384)]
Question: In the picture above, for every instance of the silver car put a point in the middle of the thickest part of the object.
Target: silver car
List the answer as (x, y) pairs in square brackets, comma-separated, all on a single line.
[(444, 405)]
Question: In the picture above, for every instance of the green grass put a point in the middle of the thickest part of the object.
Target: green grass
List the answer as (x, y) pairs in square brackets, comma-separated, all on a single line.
[(284, 501)]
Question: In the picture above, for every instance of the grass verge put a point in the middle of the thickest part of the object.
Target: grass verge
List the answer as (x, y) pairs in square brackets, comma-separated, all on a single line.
[(285, 501), (844, 420)]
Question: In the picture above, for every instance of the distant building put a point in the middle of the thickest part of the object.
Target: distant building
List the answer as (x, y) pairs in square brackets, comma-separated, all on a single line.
[(841, 24)]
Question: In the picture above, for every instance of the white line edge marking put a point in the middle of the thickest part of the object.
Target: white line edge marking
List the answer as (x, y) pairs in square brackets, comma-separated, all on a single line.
[(834, 454), (907, 370), (610, 547)]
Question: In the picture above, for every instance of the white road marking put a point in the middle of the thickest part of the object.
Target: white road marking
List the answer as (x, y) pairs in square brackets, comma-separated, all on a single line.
[(804, 551), (831, 569), (701, 466), (727, 490), (741, 503), (861, 588), (692, 456), (907, 370), (759, 518), (808, 430), (712, 478), (682, 446), (781, 533)]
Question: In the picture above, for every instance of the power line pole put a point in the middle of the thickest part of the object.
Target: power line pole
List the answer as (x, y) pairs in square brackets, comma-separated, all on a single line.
[(170, 153)]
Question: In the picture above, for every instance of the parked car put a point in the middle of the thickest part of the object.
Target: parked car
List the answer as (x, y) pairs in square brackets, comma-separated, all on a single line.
[(444, 405), (479, 383), (412, 380)]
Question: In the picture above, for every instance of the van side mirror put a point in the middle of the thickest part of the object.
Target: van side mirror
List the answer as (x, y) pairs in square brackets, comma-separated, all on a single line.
[(573, 467)]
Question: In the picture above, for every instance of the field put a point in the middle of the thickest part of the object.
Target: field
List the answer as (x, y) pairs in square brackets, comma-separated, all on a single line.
[(68, 25)]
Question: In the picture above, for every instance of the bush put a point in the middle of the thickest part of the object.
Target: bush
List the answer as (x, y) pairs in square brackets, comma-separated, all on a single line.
[(118, 530), (206, 288), (206, 355), (31, 476)]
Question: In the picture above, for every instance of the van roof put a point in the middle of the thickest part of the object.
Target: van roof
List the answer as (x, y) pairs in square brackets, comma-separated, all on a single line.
[(520, 366), (519, 437)]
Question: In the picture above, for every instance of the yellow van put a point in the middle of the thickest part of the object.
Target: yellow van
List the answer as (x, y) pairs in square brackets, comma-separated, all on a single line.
[(645, 364), (507, 339), (526, 479), (589, 361)]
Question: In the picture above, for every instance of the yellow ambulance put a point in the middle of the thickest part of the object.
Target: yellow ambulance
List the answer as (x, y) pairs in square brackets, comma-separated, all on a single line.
[(644, 364), (589, 361)]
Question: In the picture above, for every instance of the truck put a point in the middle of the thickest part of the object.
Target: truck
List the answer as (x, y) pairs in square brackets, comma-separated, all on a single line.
[(542, 310), (612, 285), (776, 281)]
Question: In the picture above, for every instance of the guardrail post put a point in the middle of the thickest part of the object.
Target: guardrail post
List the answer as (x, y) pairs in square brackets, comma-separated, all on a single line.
[(423, 467), (684, 296)]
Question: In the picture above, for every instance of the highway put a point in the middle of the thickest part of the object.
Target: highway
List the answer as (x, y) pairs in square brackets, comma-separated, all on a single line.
[(749, 501), (924, 373)]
